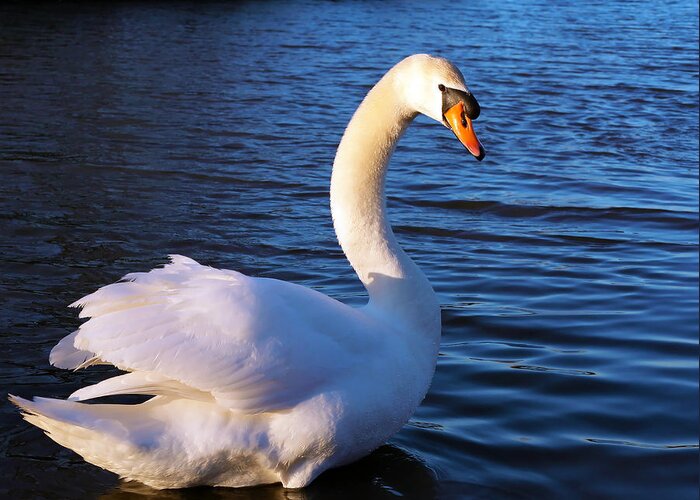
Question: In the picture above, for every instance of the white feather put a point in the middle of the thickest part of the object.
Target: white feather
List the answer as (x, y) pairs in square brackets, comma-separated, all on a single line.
[(140, 383), (255, 344)]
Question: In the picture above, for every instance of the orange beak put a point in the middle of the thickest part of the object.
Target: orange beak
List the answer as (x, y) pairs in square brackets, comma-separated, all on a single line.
[(461, 125)]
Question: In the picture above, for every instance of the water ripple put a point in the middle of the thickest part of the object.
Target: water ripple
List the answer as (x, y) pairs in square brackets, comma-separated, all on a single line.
[(566, 262)]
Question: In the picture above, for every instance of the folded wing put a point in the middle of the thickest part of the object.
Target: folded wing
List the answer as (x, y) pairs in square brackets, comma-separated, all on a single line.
[(253, 344)]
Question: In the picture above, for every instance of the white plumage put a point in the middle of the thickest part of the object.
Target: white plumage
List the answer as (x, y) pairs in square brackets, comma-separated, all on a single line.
[(254, 344), (258, 380)]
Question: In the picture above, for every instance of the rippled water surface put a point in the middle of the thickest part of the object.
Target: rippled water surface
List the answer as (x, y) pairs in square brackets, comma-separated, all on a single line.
[(566, 263)]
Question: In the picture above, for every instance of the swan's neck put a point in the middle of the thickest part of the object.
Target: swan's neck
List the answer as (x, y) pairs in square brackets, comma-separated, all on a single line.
[(396, 286)]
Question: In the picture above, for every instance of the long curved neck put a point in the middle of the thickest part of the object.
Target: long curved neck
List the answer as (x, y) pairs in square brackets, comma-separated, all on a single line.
[(394, 283)]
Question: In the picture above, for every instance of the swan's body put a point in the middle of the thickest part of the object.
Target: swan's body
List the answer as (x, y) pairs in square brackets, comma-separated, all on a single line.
[(258, 380)]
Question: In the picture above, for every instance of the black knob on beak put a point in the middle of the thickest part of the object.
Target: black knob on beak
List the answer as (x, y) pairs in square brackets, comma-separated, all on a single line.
[(450, 97)]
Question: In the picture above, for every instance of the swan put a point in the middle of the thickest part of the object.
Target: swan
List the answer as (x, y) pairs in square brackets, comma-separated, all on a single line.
[(257, 380)]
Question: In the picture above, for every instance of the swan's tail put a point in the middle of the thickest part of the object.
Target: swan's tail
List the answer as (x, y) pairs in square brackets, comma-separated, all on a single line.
[(102, 434), (165, 442)]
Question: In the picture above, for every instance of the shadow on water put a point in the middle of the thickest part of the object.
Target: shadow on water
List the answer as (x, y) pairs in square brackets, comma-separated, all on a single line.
[(389, 472)]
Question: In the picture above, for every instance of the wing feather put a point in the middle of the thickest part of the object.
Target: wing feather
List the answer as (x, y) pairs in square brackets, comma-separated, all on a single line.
[(66, 355), (148, 383), (254, 344)]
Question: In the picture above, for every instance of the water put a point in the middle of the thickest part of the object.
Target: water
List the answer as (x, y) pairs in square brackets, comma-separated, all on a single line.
[(566, 263)]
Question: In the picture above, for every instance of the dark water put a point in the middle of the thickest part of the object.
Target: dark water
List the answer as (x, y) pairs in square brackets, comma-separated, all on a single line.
[(566, 262)]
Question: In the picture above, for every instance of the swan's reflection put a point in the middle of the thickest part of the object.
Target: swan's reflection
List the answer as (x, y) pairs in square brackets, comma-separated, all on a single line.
[(387, 473)]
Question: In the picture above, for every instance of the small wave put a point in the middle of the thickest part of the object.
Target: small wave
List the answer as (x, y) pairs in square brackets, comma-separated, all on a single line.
[(641, 445), (562, 371), (559, 213)]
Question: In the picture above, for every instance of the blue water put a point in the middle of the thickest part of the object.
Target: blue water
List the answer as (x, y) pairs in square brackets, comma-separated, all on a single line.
[(566, 262)]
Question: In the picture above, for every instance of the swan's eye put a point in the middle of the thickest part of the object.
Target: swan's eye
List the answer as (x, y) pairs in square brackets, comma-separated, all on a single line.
[(441, 87)]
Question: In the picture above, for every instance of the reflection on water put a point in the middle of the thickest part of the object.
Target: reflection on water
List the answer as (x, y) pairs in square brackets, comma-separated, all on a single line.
[(389, 472)]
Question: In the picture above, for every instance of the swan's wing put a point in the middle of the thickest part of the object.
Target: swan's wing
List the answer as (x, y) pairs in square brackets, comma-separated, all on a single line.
[(254, 344), (65, 355)]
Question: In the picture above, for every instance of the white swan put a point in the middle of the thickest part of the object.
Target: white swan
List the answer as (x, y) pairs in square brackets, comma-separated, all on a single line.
[(259, 380)]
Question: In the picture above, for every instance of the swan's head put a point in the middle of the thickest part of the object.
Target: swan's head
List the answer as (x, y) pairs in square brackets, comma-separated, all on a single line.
[(433, 86)]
